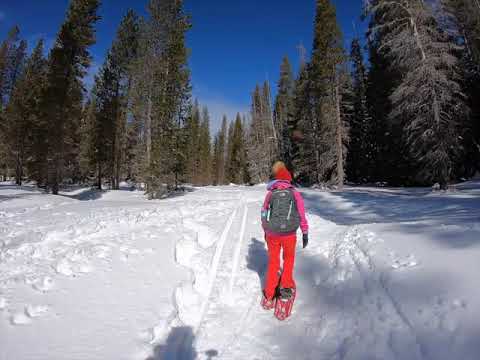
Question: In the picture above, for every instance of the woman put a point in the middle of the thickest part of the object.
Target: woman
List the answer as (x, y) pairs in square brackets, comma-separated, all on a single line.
[(283, 212)]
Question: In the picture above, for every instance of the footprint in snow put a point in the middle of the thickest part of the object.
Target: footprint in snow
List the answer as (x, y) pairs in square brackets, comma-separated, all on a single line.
[(36, 311), (3, 304), (409, 262), (30, 312), (64, 268), (457, 304), (126, 252), (102, 252), (20, 318), (44, 285), (85, 268)]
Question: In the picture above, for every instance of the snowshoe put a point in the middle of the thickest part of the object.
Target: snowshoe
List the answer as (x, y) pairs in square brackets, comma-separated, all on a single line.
[(267, 304), (284, 304)]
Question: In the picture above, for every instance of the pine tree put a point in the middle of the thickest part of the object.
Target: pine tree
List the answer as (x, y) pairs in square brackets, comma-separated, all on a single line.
[(237, 172), (229, 168), (62, 98), (12, 59), (220, 153), (87, 132), (102, 123), (4, 169), (112, 91), (284, 111), (3, 64), (393, 163), (193, 144), (262, 148), (23, 113), (5, 50), (302, 113), (162, 94), (322, 151), (428, 98), (216, 154), (124, 54), (12, 56), (466, 16), (257, 151), (462, 19), (362, 146), (272, 137), (205, 150)]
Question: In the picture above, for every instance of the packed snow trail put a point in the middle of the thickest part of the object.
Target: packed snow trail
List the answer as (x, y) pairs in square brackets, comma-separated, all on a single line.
[(389, 274)]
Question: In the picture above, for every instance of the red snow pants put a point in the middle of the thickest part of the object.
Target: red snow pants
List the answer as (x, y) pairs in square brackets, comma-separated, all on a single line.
[(287, 243)]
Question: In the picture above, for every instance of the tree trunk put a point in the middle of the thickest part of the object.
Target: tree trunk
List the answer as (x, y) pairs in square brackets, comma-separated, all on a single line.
[(18, 169), (118, 157), (443, 185), (339, 140), (176, 180), (117, 141), (99, 177), (18, 175), (148, 129), (316, 130), (53, 182)]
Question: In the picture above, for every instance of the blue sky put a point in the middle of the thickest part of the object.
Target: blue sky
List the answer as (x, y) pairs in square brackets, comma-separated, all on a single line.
[(234, 44)]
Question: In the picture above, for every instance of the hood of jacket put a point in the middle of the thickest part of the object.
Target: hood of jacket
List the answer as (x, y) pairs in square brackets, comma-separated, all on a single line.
[(279, 185)]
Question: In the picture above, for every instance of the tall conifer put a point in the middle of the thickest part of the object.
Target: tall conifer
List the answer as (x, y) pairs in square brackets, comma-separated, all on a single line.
[(61, 103)]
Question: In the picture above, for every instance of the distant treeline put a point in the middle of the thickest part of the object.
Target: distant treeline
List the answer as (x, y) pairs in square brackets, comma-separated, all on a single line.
[(409, 117)]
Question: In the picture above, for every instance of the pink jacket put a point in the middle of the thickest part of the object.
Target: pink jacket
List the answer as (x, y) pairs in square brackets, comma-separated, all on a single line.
[(282, 185)]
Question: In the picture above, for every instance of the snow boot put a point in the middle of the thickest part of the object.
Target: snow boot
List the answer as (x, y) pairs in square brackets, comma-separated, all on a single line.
[(267, 304), (284, 304)]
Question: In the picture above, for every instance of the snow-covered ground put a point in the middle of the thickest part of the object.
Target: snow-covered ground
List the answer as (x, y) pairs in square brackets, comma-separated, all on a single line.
[(389, 274)]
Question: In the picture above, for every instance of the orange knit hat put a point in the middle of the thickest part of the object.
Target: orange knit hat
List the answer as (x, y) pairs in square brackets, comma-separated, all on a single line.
[(283, 174), (279, 165)]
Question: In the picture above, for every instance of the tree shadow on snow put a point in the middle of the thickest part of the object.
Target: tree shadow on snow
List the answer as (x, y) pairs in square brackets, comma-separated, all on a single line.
[(345, 315), (365, 206), (180, 346), (87, 195), (4, 198), (257, 259), (361, 206), (181, 191), (27, 192)]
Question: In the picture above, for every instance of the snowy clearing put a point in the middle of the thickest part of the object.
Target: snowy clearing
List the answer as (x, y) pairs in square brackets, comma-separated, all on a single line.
[(389, 274)]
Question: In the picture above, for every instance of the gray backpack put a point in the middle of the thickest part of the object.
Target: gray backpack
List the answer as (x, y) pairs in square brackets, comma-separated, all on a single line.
[(282, 216)]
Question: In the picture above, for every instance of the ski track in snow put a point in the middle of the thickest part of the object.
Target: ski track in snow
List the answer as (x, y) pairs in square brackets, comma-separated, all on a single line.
[(238, 249), (214, 267)]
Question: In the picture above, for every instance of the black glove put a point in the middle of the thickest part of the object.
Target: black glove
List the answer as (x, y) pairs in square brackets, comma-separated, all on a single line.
[(305, 240)]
